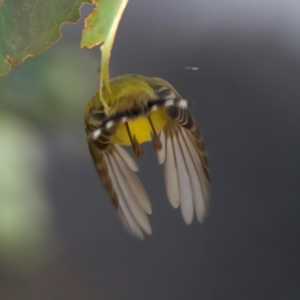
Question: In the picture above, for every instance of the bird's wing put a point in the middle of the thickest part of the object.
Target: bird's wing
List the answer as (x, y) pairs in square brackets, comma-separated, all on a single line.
[(116, 169), (185, 163)]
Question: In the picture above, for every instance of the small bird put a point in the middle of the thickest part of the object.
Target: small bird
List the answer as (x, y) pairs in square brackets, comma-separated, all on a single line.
[(139, 109)]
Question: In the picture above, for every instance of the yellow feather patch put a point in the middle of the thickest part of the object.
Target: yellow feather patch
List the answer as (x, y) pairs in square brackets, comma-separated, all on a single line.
[(140, 128)]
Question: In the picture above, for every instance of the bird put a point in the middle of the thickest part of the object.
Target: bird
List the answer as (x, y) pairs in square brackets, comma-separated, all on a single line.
[(136, 109)]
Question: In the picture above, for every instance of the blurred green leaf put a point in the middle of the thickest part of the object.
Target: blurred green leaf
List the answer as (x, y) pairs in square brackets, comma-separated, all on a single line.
[(28, 27), (52, 88), (25, 218)]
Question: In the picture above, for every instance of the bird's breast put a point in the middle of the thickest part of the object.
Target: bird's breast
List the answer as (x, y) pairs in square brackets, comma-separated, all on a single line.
[(140, 128)]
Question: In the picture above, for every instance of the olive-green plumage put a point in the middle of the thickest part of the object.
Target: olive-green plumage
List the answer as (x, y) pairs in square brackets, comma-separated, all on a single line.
[(143, 109)]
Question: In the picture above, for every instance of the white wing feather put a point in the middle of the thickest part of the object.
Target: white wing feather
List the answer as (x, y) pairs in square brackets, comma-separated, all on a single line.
[(132, 198), (171, 176), (185, 190), (186, 182)]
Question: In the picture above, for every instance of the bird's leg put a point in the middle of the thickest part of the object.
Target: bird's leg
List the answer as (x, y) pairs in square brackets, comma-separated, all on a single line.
[(155, 139), (138, 151)]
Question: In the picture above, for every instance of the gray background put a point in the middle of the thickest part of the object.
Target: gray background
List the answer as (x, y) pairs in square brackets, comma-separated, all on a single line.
[(245, 99)]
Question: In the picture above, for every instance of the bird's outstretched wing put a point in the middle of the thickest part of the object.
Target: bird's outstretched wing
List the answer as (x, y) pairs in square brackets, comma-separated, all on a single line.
[(184, 158), (116, 169)]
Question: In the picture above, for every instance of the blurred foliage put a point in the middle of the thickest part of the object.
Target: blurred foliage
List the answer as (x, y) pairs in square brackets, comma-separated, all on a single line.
[(28, 27), (51, 89), (44, 95), (24, 216)]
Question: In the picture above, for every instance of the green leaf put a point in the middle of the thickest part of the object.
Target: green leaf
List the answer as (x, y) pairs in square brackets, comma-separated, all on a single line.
[(101, 26), (28, 27)]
